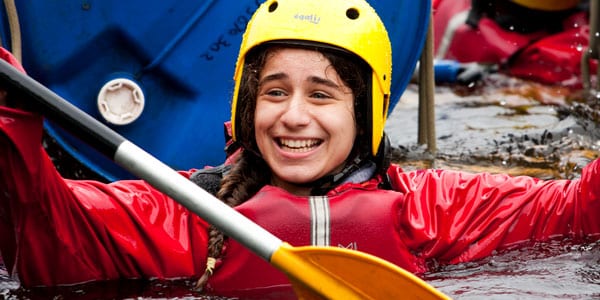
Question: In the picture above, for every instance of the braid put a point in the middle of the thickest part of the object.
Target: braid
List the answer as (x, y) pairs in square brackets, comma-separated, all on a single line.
[(247, 176)]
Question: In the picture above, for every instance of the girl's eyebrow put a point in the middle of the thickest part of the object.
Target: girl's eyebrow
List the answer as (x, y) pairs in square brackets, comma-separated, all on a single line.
[(324, 81), (272, 77)]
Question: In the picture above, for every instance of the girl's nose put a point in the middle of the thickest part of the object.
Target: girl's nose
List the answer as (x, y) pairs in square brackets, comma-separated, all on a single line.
[(297, 113)]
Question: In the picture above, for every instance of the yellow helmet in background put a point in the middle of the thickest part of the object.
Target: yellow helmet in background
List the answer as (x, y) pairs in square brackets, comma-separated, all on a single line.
[(350, 25), (548, 5)]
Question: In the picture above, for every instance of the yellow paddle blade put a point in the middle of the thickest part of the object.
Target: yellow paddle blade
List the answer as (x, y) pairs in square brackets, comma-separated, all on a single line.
[(337, 273)]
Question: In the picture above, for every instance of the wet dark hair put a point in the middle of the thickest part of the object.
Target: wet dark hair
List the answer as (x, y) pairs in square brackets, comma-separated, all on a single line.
[(250, 172)]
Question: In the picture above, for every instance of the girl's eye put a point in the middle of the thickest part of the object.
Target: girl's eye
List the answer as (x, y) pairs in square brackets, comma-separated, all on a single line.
[(320, 95), (275, 93)]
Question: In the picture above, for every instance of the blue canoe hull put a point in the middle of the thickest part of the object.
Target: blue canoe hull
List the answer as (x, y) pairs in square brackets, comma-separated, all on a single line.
[(180, 53)]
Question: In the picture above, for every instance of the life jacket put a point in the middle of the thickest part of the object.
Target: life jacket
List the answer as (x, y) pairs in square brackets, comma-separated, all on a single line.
[(357, 216)]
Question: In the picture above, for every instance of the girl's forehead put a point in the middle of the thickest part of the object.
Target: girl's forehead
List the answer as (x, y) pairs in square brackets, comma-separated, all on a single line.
[(278, 51), (293, 60)]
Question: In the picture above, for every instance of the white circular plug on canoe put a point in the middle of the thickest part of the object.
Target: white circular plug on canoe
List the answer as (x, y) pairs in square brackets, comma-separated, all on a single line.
[(121, 101)]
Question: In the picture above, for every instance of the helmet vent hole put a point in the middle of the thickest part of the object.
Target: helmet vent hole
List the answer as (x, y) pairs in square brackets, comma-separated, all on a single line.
[(352, 13), (273, 6), (384, 77)]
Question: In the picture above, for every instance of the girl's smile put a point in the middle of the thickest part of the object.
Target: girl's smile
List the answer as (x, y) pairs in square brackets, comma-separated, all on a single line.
[(298, 145)]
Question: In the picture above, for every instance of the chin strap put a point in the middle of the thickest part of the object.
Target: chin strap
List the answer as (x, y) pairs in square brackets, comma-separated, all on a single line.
[(359, 169), (349, 173)]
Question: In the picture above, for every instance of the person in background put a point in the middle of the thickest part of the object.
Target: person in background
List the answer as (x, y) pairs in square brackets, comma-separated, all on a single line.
[(311, 96), (536, 40)]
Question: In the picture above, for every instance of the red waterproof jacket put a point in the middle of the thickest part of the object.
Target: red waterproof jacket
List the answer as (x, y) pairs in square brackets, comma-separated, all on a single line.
[(57, 231)]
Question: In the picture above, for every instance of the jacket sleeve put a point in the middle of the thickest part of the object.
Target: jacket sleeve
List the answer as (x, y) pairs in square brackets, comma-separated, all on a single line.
[(58, 231), (454, 217)]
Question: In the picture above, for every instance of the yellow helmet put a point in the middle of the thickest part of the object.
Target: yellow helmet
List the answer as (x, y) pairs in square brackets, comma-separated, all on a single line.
[(351, 25), (548, 5)]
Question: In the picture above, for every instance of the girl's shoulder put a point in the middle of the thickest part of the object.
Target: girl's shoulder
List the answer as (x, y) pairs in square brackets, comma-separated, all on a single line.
[(209, 178)]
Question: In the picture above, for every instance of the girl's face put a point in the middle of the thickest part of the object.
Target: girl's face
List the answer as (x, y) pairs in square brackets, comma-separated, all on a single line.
[(304, 118)]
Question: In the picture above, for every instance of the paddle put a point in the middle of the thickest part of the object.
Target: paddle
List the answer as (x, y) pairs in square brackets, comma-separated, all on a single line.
[(315, 272)]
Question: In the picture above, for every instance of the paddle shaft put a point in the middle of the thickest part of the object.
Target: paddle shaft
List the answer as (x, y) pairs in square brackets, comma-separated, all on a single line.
[(142, 164)]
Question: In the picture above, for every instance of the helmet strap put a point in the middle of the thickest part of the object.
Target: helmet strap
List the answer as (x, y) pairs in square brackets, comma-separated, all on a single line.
[(326, 183)]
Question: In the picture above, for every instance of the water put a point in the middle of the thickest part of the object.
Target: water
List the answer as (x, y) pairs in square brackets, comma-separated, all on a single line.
[(503, 125), (556, 270), (500, 125)]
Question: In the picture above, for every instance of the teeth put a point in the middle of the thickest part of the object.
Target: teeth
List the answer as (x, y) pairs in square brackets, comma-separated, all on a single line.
[(298, 145)]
